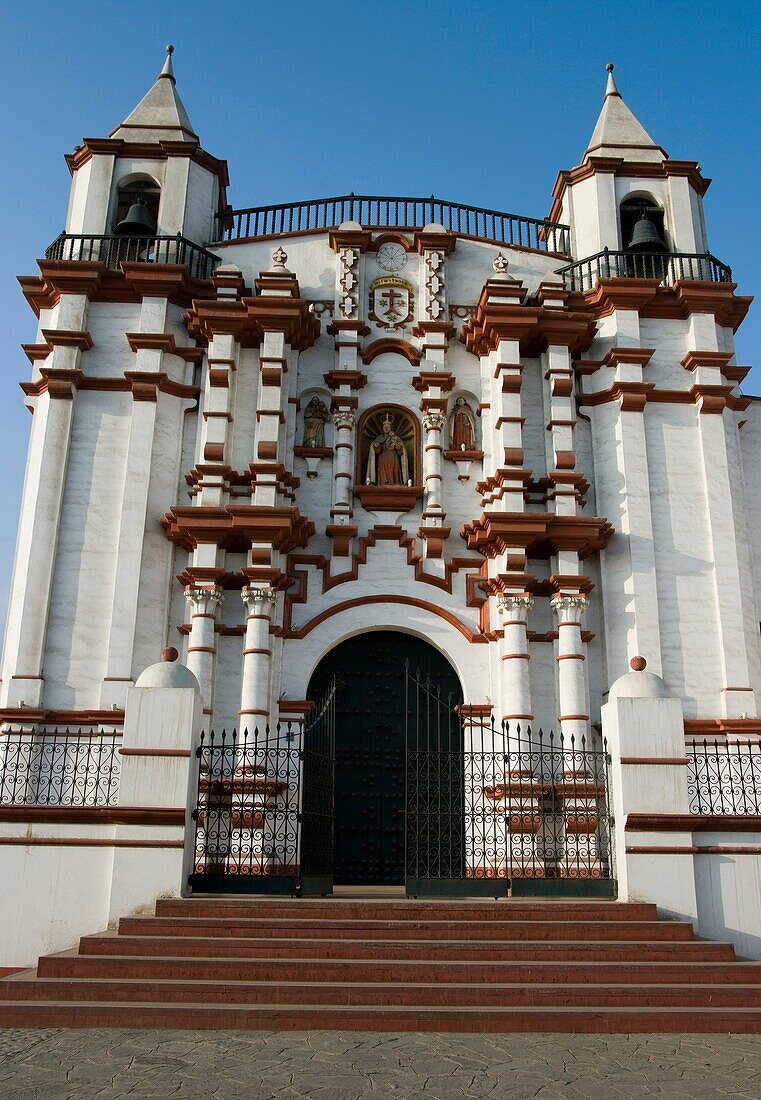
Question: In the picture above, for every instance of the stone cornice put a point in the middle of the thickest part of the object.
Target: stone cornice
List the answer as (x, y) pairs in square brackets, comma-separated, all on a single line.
[(617, 166), (148, 150), (236, 526), (540, 534), (502, 314), (649, 299), (249, 318), (101, 284)]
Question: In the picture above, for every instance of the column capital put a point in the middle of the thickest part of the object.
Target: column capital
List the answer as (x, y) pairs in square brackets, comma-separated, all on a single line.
[(256, 599), (516, 605), (434, 422), (346, 418), (569, 608), (206, 599)]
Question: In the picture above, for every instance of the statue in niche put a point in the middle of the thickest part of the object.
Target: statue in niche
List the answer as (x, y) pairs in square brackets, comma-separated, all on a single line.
[(316, 416), (387, 462), (462, 427)]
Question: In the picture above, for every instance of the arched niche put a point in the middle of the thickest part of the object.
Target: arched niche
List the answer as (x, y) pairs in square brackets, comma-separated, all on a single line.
[(304, 431), (383, 493), (469, 405)]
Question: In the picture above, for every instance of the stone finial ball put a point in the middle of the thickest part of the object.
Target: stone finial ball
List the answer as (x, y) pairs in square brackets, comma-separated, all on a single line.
[(639, 664), (169, 654)]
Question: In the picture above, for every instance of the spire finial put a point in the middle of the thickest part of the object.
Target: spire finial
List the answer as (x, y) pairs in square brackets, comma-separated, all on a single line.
[(610, 87), (167, 69)]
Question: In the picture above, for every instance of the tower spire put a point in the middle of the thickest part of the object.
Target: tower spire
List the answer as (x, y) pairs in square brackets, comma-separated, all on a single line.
[(160, 115), (618, 133)]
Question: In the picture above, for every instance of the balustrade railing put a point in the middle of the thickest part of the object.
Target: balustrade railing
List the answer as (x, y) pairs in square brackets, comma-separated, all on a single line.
[(668, 268), (384, 212), (113, 250), (59, 768), (724, 777)]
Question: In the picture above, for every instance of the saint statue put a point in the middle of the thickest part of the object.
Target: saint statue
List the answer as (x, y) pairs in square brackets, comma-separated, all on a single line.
[(462, 427), (315, 417), (387, 462)]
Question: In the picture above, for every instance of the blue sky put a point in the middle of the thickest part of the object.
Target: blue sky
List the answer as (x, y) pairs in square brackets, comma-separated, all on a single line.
[(476, 102)]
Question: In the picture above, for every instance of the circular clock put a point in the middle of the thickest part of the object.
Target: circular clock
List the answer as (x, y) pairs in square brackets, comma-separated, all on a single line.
[(392, 256)]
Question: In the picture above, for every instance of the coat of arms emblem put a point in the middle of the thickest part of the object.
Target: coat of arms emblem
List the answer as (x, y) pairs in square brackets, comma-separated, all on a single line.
[(391, 302)]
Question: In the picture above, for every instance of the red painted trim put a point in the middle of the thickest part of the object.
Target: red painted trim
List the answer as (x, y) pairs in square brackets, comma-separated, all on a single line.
[(409, 601)]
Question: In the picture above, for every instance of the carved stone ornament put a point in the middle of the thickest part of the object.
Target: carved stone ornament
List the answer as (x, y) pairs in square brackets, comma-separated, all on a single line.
[(348, 280), (500, 264), (435, 305), (391, 302), (205, 600), (279, 257)]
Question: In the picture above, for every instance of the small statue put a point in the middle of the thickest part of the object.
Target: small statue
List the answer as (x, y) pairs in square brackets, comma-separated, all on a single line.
[(462, 427), (387, 462), (315, 417)]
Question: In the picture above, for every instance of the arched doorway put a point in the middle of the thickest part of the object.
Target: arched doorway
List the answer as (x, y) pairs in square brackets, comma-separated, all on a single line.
[(371, 711)]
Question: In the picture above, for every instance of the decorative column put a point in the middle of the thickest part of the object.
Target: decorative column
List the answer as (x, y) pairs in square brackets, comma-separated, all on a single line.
[(578, 792), (204, 602), (349, 242), (433, 385), (571, 657), (257, 658), (514, 610), (520, 791)]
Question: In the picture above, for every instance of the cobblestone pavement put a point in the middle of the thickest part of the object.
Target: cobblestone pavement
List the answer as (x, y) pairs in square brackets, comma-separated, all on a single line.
[(105, 1063)]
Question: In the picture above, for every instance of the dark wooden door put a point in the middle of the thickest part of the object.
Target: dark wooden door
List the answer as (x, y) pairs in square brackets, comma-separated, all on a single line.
[(370, 747)]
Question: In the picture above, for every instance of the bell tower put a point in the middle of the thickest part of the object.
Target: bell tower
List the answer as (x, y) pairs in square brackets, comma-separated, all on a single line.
[(149, 177), (626, 182)]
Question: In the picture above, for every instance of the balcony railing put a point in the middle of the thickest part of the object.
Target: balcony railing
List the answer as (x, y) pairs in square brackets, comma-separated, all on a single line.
[(386, 212), (114, 250), (59, 768), (724, 777), (668, 268)]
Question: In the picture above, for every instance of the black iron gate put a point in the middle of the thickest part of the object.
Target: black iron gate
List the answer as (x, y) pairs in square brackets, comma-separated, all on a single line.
[(492, 810), (265, 808)]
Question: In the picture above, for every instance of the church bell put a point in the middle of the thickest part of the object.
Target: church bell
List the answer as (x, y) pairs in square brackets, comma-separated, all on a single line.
[(137, 223), (645, 237)]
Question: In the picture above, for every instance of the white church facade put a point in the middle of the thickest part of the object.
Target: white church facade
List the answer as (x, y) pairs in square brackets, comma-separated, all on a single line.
[(377, 445)]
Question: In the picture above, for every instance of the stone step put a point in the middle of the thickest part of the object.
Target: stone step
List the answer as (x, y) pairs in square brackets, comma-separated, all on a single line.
[(406, 909), (419, 949), (381, 993), (279, 1017), (319, 928), (217, 969)]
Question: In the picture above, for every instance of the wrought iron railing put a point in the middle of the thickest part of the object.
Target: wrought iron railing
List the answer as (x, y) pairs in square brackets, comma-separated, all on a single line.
[(59, 768), (383, 211), (668, 268), (114, 250), (724, 777), (264, 810), (490, 807)]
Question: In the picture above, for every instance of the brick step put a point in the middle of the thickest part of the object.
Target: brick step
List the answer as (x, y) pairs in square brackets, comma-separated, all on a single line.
[(381, 993), (437, 910), (278, 1017), (420, 949), (116, 967), (319, 928)]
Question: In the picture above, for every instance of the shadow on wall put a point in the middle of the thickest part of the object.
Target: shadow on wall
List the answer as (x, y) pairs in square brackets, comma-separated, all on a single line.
[(728, 891)]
